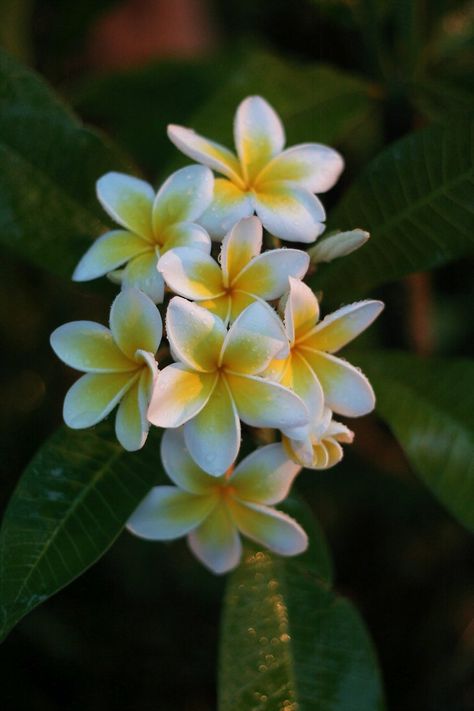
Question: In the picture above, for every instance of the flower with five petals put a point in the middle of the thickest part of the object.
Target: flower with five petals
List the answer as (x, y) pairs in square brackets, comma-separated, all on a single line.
[(244, 275), (151, 225), (119, 364), (277, 184), (322, 448), (213, 511), (217, 381)]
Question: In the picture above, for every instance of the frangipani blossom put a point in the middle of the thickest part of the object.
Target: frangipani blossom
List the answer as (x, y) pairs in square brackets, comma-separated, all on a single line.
[(217, 382), (277, 184), (213, 511), (311, 370), (321, 449), (119, 364), (244, 275), (150, 226)]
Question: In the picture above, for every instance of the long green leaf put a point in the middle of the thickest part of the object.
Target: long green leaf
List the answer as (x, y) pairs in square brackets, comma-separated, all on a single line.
[(48, 167), (289, 642), (429, 405), (416, 200), (69, 506)]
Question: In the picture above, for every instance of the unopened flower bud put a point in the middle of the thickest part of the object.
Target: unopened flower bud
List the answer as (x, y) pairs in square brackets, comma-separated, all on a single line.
[(338, 245)]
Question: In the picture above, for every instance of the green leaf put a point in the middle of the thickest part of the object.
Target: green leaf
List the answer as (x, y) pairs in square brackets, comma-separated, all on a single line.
[(415, 199), (289, 641), (429, 405), (69, 506), (48, 167)]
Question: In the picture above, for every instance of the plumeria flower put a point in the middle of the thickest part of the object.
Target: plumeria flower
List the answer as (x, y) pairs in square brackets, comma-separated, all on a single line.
[(213, 511), (322, 448), (217, 382), (277, 184), (119, 364), (311, 370), (244, 275), (151, 225)]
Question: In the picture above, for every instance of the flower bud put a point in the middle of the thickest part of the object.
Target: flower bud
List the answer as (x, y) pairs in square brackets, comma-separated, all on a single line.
[(338, 245)]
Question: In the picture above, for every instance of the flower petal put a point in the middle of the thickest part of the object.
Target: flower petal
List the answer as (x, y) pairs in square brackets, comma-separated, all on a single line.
[(254, 339), (309, 454), (179, 394), (183, 196), (128, 201), (258, 135), (338, 245), (273, 529), (191, 273), (135, 323), (216, 542), (312, 166), (181, 467), (89, 347), (239, 246), (109, 252), (229, 205), (221, 306), (300, 378), (93, 396), (346, 390), (205, 151), (293, 214), (262, 403), (343, 326), (213, 436), (185, 234), (301, 310), (267, 275), (142, 273), (195, 335), (131, 422), (265, 476), (166, 513)]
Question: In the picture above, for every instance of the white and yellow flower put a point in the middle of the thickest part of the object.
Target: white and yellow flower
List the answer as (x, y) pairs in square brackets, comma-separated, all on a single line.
[(311, 370), (151, 225), (322, 448), (217, 382), (244, 275), (213, 511), (119, 364), (277, 184)]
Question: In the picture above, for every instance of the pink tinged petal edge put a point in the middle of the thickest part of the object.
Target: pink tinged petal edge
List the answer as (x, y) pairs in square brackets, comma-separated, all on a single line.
[(265, 476), (179, 394), (289, 212), (180, 466), (213, 435), (216, 542), (274, 529), (195, 334), (167, 513), (109, 252), (135, 323), (128, 201), (183, 196)]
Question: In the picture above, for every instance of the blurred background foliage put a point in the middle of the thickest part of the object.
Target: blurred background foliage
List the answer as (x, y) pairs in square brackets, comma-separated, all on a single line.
[(140, 629)]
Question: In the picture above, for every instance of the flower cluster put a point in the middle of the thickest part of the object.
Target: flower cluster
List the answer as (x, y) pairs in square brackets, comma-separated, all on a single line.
[(245, 343)]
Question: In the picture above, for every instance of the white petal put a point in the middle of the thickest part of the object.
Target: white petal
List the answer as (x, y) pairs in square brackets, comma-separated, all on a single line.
[(309, 165), (89, 347), (109, 252), (205, 151), (179, 394), (186, 234), (180, 466), (239, 246), (229, 205), (131, 422), (254, 339), (267, 275), (265, 476), (258, 135), (273, 529), (191, 273), (166, 513), (195, 335), (93, 397), (142, 273), (216, 542), (290, 213), (343, 326), (183, 197), (129, 201), (135, 323), (213, 436), (301, 310)]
